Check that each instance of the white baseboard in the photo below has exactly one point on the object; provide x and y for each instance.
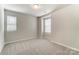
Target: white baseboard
(19, 40)
(2, 46)
(48, 40)
(63, 45)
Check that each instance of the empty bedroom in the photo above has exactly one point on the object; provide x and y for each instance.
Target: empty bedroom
(39, 29)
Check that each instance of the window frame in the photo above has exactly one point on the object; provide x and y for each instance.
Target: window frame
(43, 24)
(11, 24)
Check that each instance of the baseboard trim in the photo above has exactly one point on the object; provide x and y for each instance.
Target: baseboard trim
(19, 40)
(48, 40)
(2, 48)
(63, 45)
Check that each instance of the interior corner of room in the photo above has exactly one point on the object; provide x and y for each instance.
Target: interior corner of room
(56, 23)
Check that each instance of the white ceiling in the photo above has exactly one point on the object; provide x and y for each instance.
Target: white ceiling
(27, 8)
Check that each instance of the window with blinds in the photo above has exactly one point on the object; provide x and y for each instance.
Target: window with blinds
(11, 23)
(47, 25)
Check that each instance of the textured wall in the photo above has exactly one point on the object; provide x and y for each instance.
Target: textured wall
(26, 27)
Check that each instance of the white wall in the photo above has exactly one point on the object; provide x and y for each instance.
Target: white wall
(26, 27)
(65, 25)
(1, 28)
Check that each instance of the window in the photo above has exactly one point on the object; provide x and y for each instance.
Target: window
(11, 23)
(47, 25)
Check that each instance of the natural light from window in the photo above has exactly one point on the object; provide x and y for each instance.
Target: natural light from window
(11, 23)
(46, 25)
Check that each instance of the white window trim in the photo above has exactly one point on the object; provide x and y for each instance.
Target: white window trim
(42, 19)
(44, 24)
(12, 24)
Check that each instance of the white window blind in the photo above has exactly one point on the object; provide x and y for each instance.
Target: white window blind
(48, 25)
(11, 23)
